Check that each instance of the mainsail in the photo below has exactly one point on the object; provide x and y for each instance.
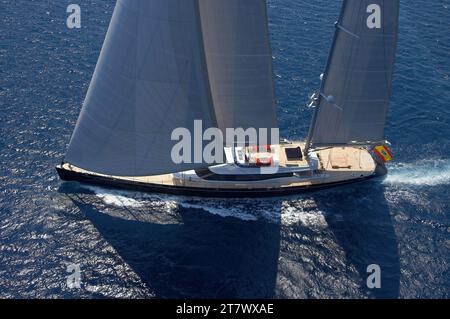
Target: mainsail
(153, 77)
(239, 62)
(354, 98)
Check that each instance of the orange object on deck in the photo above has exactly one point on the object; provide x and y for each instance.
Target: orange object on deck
(264, 160)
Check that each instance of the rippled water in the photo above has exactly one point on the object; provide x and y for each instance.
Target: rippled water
(142, 245)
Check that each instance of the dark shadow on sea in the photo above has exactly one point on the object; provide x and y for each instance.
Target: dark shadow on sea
(206, 256)
(365, 232)
(203, 256)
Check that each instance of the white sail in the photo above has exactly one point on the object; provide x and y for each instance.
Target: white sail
(356, 88)
(150, 79)
(165, 64)
(239, 62)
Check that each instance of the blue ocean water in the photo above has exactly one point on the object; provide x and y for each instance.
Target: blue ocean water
(142, 246)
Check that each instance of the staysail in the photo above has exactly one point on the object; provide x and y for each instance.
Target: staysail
(150, 79)
(354, 98)
(239, 62)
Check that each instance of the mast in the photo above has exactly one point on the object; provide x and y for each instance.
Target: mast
(318, 96)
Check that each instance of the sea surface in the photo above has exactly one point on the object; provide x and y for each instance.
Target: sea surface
(134, 245)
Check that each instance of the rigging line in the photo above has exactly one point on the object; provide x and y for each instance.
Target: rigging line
(339, 26)
(315, 115)
(390, 69)
(296, 120)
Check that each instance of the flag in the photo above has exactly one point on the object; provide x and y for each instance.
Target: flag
(384, 153)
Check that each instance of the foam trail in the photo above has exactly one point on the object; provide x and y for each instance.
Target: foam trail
(280, 211)
(424, 173)
(114, 198)
(166, 203)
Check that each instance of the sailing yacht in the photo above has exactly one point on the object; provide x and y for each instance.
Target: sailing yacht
(167, 64)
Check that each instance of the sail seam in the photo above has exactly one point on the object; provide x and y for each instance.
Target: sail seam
(205, 63)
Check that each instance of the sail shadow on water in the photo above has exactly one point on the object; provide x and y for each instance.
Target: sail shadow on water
(188, 253)
(313, 246)
(365, 233)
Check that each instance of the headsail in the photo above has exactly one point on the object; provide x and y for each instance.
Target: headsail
(150, 79)
(239, 59)
(356, 87)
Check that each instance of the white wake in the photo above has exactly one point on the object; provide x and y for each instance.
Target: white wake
(424, 173)
(278, 210)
